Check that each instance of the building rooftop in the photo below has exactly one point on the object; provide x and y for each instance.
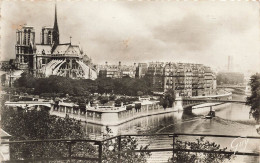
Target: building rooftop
(43, 48)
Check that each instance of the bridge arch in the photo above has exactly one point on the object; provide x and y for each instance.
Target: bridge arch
(28, 104)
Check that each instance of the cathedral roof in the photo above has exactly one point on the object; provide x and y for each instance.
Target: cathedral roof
(61, 49)
(73, 50)
(41, 48)
(67, 50)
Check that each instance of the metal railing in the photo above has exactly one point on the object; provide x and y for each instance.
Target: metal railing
(67, 142)
(99, 144)
(212, 100)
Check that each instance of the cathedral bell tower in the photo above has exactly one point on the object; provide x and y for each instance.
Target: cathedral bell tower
(24, 48)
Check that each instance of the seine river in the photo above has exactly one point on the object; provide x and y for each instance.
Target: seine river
(231, 119)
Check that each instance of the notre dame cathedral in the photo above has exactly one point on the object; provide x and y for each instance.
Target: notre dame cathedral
(50, 57)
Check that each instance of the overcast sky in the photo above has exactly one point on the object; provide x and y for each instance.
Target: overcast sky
(197, 32)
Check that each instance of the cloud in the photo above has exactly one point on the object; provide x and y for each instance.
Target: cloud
(202, 32)
(191, 33)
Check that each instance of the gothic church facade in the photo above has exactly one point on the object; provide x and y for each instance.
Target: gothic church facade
(50, 57)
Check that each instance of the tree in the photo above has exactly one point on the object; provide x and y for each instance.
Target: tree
(118, 102)
(112, 97)
(12, 64)
(170, 96)
(138, 107)
(88, 85)
(254, 99)
(103, 99)
(140, 87)
(37, 125)
(199, 144)
(57, 84)
(131, 87)
(127, 143)
(26, 80)
(82, 87)
(105, 85)
(164, 103)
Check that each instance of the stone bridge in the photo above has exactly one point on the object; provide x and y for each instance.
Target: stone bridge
(212, 101)
(29, 104)
(231, 86)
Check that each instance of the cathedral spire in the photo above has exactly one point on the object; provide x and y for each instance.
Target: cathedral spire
(56, 38)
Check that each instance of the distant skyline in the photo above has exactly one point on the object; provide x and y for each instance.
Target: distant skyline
(133, 32)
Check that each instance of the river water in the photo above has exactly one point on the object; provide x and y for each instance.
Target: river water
(231, 119)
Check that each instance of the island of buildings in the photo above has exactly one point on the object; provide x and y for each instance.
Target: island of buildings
(187, 79)
(50, 57)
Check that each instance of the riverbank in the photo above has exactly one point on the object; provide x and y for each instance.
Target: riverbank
(113, 116)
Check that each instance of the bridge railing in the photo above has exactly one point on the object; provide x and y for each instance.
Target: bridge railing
(212, 100)
(96, 150)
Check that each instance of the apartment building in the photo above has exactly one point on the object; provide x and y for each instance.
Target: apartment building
(187, 79)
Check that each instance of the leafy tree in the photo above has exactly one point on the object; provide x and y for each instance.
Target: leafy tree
(79, 100)
(120, 85)
(127, 143)
(164, 103)
(131, 87)
(112, 97)
(82, 87)
(103, 100)
(37, 125)
(26, 80)
(138, 106)
(170, 96)
(55, 84)
(118, 102)
(105, 85)
(254, 99)
(199, 144)
(168, 99)
(12, 64)
(89, 85)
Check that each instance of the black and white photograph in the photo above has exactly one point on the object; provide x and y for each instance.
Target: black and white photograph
(130, 81)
